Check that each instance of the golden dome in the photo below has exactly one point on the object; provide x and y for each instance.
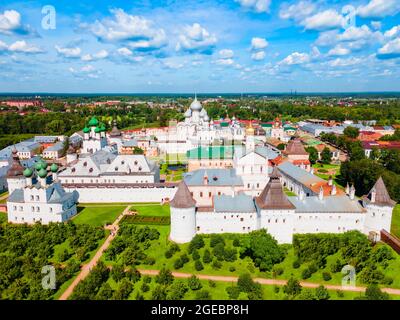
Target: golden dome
(250, 129)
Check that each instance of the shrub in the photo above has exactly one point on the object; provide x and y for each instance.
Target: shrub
(321, 293)
(195, 254)
(184, 258)
(216, 239)
(292, 287)
(219, 251)
(144, 287)
(340, 293)
(230, 255)
(277, 271)
(212, 283)
(146, 279)
(296, 264)
(178, 263)
(194, 283)
(232, 269)
(306, 273)
(216, 264)
(276, 289)
(203, 295)
(326, 276)
(233, 292)
(207, 256)
(236, 242)
(198, 265)
(164, 277)
(196, 243)
(149, 261)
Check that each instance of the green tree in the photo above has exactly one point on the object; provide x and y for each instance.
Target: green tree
(177, 291)
(207, 256)
(164, 277)
(194, 283)
(313, 154)
(321, 293)
(326, 156)
(351, 132)
(373, 292)
(292, 287)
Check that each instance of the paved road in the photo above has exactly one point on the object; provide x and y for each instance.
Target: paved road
(276, 282)
(87, 267)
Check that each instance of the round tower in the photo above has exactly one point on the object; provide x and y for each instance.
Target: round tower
(15, 174)
(183, 215)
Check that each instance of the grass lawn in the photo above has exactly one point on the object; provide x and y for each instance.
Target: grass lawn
(142, 125)
(395, 229)
(289, 193)
(152, 209)
(97, 216)
(326, 166)
(3, 217)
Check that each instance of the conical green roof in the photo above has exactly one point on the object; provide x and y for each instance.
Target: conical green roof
(102, 128)
(86, 130)
(42, 173)
(97, 130)
(28, 173)
(93, 122)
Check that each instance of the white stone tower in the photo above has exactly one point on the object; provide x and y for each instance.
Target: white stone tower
(183, 215)
(379, 207)
(15, 174)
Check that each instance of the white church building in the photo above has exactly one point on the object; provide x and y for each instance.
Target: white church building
(37, 196)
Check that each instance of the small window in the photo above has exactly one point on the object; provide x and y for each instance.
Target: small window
(91, 170)
(85, 164)
(116, 168)
(241, 219)
(37, 198)
(201, 194)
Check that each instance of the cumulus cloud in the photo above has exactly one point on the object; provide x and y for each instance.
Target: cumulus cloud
(136, 32)
(325, 20)
(102, 54)
(69, 52)
(379, 9)
(20, 46)
(390, 50)
(258, 43)
(256, 5)
(225, 62)
(225, 53)
(257, 56)
(296, 58)
(339, 50)
(340, 62)
(353, 38)
(297, 11)
(87, 71)
(195, 38)
(11, 23)
(124, 52)
(392, 33)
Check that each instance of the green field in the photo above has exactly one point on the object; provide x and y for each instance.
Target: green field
(395, 229)
(151, 209)
(97, 216)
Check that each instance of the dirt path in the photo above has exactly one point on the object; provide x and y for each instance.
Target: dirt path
(276, 282)
(87, 267)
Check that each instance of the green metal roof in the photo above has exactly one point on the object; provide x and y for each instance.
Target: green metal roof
(224, 124)
(212, 152)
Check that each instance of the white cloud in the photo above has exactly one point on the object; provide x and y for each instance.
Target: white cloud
(394, 32)
(295, 58)
(377, 25)
(225, 62)
(339, 50)
(102, 54)
(86, 71)
(379, 9)
(137, 32)
(258, 43)
(124, 52)
(298, 11)
(390, 50)
(225, 53)
(260, 55)
(10, 23)
(87, 68)
(170, 64)
(195, 38)
(22, 46)
(340, 62)
(256, 5)
(69, 52)
(325, 20)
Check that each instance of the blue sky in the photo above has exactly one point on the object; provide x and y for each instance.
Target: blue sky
(200, 46)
